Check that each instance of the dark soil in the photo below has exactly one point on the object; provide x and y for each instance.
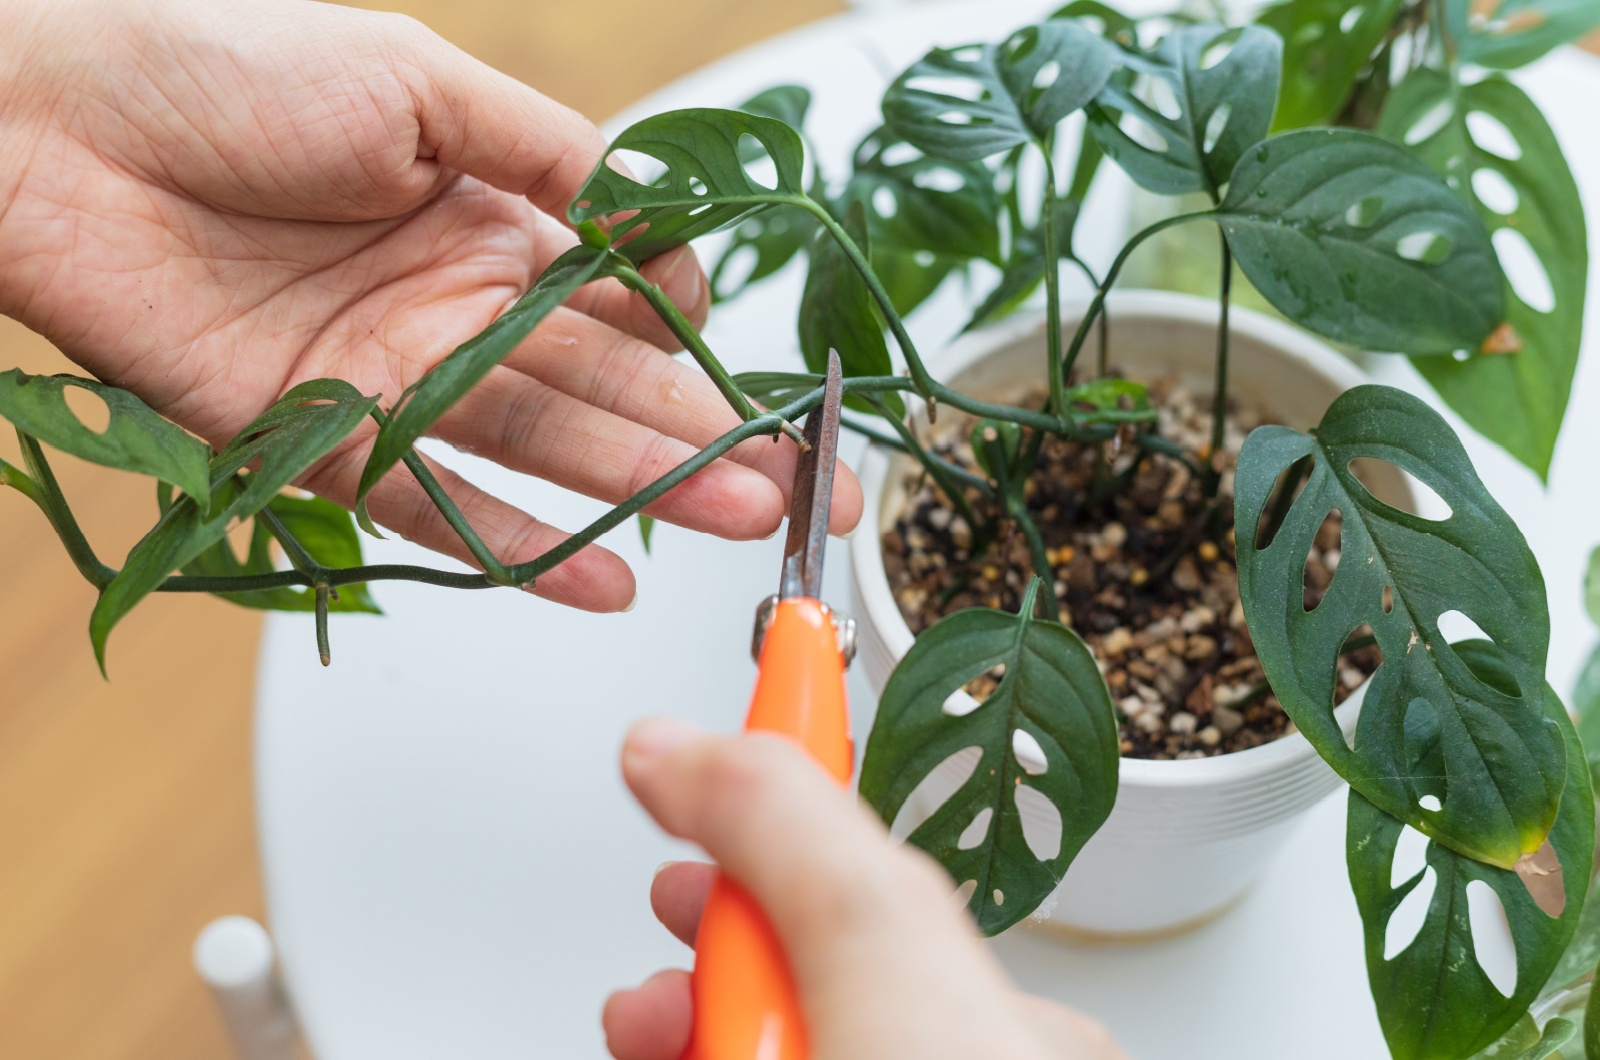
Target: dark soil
(1145, 575)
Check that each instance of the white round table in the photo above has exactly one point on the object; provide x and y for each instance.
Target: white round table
(453, 866)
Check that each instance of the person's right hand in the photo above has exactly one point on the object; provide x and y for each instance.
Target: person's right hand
(885, 962)
(208, 201)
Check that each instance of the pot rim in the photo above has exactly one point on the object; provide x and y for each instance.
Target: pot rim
(866, 555)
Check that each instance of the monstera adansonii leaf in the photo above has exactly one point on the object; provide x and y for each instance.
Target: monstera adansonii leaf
(136, 438)
(1398, 573)
(1326, 45)
(720, 166)
(1506, 34)
(965, 104)
(1047, 736)
(1194, 106)
(1498, 153)
(1434, 1000)
(299, 429)
(1350, 236)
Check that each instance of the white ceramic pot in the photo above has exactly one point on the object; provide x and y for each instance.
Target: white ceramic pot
(1187, 838)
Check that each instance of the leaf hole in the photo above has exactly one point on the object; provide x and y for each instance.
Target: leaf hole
(900, 153)
(697, 186)
(999, 896)
(967, 53)
(1322, 559)
(1157, 92)
(1215, 126)
(1490, 133)
(972, 835)
(1405, 923)
(950, 87)
(90, 408)
(1428, 248)
(1541, 873)
(1431, 121)
(638, 166)
(1387, 483)
(698, 210)
(1491, 939)
(1431, 803)
(1388, 600)
(1142, 133)
(757, 162)
(1364, 214)
(1047, 75)
(1292, 479)
(1455, 625)
(1420, 740)
(884, 202)
(1216, 53)
(1030, 756)
(1495, 191)
(939, 178)
(1348, 20)
(956, 117)
(1410, 856)
(935, 789)
(734, 270)
(1041, 822)
(1021, 44)
(1529, 280)
(963, 894)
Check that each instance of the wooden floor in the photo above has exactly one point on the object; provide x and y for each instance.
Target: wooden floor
(125, 811)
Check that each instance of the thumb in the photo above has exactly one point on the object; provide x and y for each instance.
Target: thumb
(476, 120)
(821, 866)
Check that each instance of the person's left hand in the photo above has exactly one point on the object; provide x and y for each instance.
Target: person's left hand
(208, 202)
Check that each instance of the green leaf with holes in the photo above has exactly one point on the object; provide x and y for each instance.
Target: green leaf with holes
(1516, 397)
(136, 437)
(1501, 753)
(785, 103)
(1350, 236)
(965, 104)
(1506, 34)
(768, 241)
(917, 203)
(776, 389)
(1326, 45)
(1434, 1000)
(1112, 24)
(430, 397)
(714, 177)
(282, 443)
(1215, 108)
(838, 312)
(1053, 692)
(322, 528)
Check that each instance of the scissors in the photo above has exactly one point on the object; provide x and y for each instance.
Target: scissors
(745, 1007)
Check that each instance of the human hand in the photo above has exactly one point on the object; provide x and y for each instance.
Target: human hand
(208, 203)
(883, 960)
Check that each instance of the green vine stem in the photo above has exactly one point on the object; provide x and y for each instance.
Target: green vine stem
(686, 333)
(324, 649)
(1097, 304)
(497, 572)
(1052, 288)
(46, 493)
(1219, 401)
(936, 469)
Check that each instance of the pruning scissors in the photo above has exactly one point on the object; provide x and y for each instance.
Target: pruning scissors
(745, 1006)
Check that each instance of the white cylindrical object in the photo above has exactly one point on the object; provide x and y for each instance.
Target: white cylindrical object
(1186, 838)
(235, 956)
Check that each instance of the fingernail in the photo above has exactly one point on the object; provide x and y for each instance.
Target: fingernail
(631, 603)
(663, 867)
(655, 738)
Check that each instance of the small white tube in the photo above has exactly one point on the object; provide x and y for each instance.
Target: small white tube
(235, 956)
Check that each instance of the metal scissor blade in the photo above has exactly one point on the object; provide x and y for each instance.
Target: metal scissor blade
(813, 491)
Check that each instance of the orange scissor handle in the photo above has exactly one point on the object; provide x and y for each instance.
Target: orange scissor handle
(745, 1007)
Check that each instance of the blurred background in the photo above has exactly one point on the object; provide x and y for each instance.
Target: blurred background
(125, 808)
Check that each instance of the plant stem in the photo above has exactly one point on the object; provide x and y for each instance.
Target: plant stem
(1052, 288)
(324, 649)
(1041, 562)
(1098, 303)
(46, 493)
(497, 572)
(1103, 354)
(1219, 402)
(284, 579)
(673, 318)
(930, 389)
(299, 558)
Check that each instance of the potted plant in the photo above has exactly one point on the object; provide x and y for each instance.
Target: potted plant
(1345, 232)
